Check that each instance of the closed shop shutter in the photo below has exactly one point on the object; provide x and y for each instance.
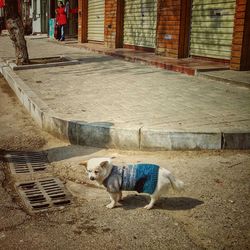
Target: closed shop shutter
(96, 20)
(212, 28)
(140, 22)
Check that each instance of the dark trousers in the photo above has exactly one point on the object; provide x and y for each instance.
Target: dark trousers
(58, 32)
(63, 27)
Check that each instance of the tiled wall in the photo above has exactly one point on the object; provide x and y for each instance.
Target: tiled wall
(110, 23)
(168, 27)
(82, 20)
(240, 37)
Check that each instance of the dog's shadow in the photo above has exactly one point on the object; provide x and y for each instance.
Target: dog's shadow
(170, 203)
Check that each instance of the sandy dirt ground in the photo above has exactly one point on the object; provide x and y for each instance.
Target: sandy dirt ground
(212, 213)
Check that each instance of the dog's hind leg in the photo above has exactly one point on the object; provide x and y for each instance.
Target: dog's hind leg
(154, 198)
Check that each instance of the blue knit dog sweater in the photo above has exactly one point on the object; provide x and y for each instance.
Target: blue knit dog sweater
(139, 177)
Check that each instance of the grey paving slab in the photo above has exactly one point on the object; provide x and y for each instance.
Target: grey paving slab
(230, 76)
(131, 105)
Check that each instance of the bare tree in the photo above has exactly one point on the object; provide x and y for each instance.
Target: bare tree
(15, 27)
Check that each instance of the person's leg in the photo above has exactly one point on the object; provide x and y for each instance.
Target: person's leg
(1, 24)
(58, 32)
(62, 33)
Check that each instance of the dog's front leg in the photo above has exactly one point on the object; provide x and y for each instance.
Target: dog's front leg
(113, 197)
(120, 196)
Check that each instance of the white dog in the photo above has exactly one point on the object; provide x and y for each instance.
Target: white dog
(141, 177)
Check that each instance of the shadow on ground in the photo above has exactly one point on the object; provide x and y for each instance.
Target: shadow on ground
(171, 203)
(67, 152)
(54, 154)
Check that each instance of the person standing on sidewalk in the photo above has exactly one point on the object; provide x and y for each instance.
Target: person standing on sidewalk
(61, 19)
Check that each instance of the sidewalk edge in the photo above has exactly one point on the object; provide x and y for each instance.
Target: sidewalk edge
(109, 136)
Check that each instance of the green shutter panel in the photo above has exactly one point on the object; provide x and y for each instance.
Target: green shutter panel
(212, 28)
(96, 20)
(140, 18)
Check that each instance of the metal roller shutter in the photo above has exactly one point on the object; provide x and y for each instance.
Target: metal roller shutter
(212, 28)
(96, 20)
(140, 18)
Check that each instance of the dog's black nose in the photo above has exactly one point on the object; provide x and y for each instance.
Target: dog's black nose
(92, 178)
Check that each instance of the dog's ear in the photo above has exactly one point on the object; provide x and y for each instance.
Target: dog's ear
(83, 163)
(103, 164)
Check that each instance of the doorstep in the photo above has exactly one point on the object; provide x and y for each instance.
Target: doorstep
(189, 66)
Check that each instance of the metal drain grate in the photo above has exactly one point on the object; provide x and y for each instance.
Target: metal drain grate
(27, 162)
(43, 194)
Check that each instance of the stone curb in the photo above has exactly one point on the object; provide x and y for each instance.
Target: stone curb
(68, 61)
(108, 136)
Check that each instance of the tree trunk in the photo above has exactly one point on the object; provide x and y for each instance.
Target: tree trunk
(15, 27)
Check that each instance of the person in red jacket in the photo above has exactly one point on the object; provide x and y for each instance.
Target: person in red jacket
(61, 19)
(2, 4)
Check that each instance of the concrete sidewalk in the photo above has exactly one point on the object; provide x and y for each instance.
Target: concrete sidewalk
(107, 102)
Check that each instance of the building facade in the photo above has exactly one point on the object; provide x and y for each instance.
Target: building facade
(209, 29)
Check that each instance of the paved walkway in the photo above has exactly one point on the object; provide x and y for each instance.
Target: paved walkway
(104, 101)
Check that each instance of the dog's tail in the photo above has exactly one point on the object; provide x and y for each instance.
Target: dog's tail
(177, 184)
